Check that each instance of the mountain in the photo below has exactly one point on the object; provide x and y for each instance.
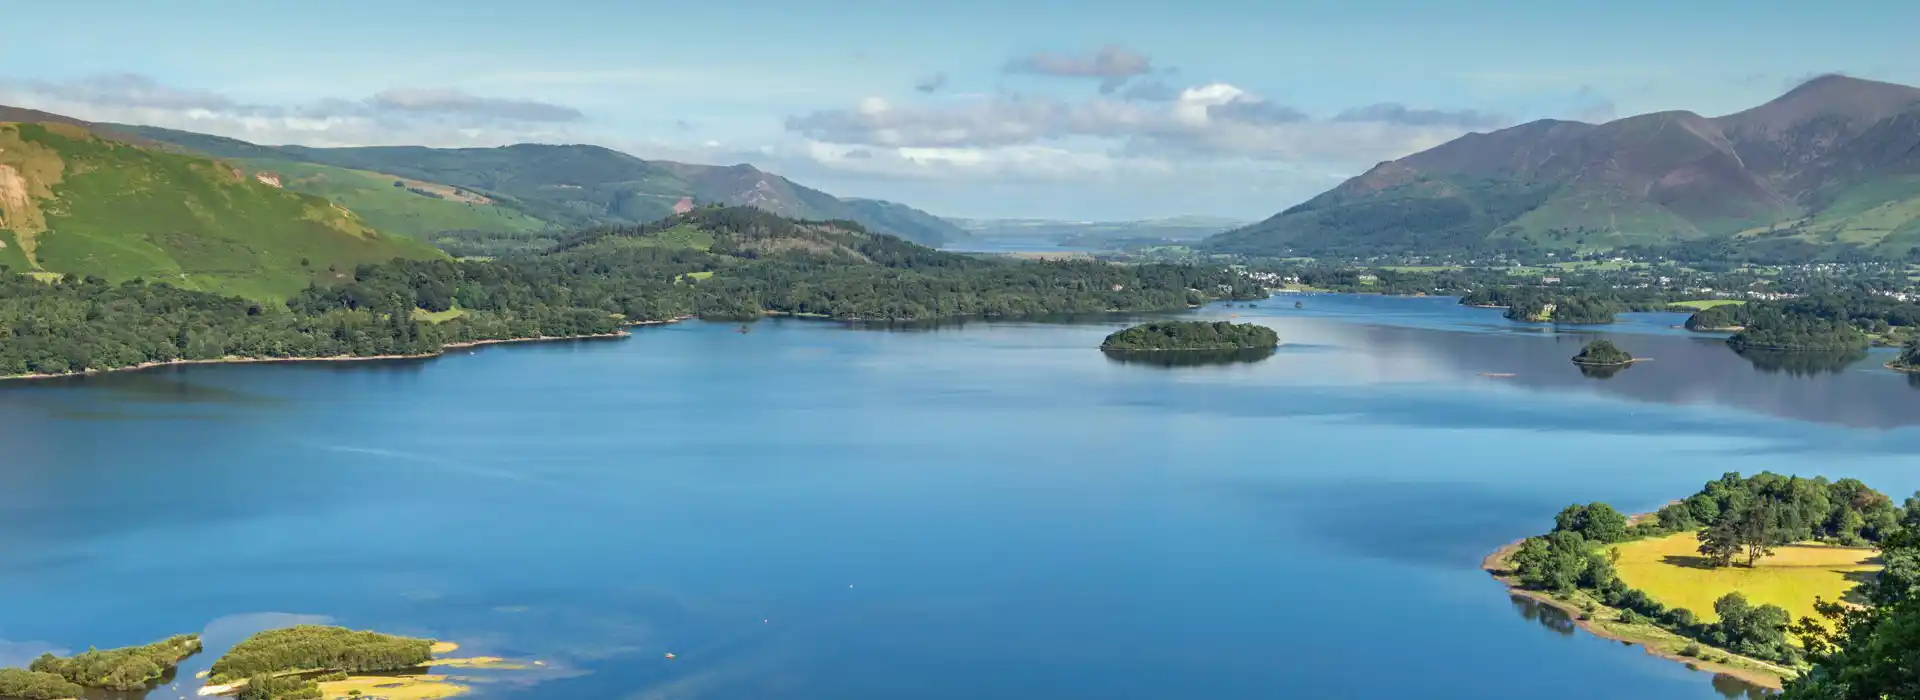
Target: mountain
(1091, 234)
(79, 201)
(570, 186)
(1832, 166)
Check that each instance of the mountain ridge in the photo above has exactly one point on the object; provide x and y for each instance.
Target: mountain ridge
(574, 185)
(1828, 166)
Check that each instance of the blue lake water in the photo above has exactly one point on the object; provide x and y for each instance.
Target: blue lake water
(990, 509)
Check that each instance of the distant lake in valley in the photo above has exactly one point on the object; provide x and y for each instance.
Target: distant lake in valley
(989, 509)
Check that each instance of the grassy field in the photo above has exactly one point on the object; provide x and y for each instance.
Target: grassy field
(1671, 570)
(395, 687)
(394, 210)
(1707, 303)
(425, 316)
(98, 207)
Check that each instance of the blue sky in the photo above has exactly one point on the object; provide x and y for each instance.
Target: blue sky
(1037, 108)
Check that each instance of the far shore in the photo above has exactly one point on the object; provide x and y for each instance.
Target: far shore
(444, 349)
(1496, 564)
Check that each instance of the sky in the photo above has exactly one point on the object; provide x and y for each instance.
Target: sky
(984, 108)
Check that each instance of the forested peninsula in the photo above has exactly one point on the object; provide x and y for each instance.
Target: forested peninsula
(733, 263)
(1776, 538)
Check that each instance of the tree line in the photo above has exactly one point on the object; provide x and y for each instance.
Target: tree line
(320, 648)
(589, 284)
(1191, 335)
(1831, 321)
(126, 668)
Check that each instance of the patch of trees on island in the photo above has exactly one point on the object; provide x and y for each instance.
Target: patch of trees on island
(1822, 322)
(264, 660)
(1168, 336)
(1738, 521)
(124, 669)
(1602, 353)
(590, 284)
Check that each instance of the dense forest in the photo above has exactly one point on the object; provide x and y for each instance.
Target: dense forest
(1824, 322)
(318, 647)
(22, 684)
(1602, 352)
(1570, 310)
(128, 668)
(729, 263)
(1166, 336)
(1738, 520)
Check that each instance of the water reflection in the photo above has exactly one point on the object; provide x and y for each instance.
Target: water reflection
(1836, 388)
(1802, 364)
(1548, 616)
(1735, 689)
(1188, 358)
(1600, 371)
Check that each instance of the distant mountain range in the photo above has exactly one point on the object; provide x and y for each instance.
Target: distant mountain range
(75, 202)
(561, 186)
(1831, 167)
(1088, 234)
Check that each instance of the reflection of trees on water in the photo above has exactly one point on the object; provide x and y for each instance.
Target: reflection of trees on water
(1680, 369)
(1188, 358)
(1802, 363)
(1600, 371)
(1734, 689)
(1548, 616)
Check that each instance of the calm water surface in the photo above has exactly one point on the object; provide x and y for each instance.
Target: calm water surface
(983, 510)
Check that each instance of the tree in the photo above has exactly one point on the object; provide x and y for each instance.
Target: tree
(1757, 531)
(1597, 522)
(1866, 653)
(1720, 541)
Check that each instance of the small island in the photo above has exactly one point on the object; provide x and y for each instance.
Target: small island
(1723, 580)
(1184, 336)
(1602, 353)
(303, 662)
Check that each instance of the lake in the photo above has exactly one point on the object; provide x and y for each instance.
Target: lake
(988, 509)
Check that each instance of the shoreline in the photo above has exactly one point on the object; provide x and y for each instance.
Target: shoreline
(1495, 564)
(1897, 367)
(444, 349)
(1611, 364)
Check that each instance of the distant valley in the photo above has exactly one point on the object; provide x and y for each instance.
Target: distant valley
(1829, 170)
(1097, 234)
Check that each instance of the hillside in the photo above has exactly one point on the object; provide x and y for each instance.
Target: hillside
(75, 203)
(1830, 168)
(579, 185)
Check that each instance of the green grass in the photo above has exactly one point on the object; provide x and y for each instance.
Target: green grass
(1671, 570)
(390, 209)
(701, 275)
(1707, 303)
(122, 212)
(425, 316)
(12, 256)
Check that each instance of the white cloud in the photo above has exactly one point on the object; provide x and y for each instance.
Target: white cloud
(1210, 121)
(399, 116)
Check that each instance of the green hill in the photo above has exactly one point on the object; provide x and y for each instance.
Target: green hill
(74, 203)
(1832, 168)
(575, 186)
(393, 204)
